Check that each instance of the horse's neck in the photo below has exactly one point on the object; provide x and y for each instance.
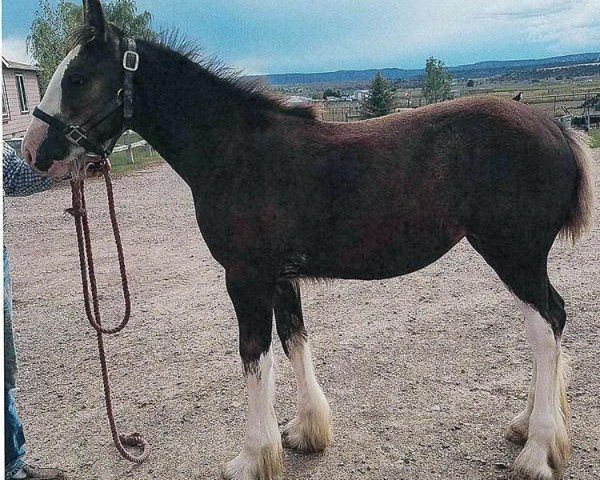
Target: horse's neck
(184, 114)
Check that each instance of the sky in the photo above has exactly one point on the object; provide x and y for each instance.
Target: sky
(284, 36)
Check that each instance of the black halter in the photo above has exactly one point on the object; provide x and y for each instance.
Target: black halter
(78, 134)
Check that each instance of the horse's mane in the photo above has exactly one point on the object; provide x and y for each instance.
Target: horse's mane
(174, 42)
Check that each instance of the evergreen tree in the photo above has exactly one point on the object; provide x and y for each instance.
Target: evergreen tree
(437, 80)
(381, 99)
(53, 27)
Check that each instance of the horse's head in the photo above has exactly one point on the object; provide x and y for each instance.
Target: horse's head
(88, 79)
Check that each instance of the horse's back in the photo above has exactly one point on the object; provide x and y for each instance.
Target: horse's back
(468, 157)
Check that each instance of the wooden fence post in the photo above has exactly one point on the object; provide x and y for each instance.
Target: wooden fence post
(130, 158)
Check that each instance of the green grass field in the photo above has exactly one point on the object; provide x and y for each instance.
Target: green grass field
(594, 137)
(120, 163)
(134, 138)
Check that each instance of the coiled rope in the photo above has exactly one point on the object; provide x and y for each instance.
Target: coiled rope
(90, 292)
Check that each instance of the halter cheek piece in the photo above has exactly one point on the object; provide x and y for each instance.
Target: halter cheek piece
(78, 134)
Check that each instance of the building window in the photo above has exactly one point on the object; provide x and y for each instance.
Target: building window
(22, 94)
(5, 109)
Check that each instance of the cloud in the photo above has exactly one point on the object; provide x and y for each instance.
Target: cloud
(274, 36)
(559, 25)
(526, 8)
(13, 48)
(267, 36)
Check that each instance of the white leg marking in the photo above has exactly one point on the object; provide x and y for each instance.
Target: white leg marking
(260, 457)
(547, 449)
(310, 430)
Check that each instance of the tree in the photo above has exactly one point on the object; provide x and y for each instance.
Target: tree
(48, 42)
(330, 92)
(123, 13)
(470, 83)
(437, 80)
(53, 27)
(381, 99)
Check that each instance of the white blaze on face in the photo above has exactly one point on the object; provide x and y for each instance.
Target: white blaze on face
(53, 96)
(51, 104)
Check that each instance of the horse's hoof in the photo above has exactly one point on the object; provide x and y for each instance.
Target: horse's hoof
(542, 462)
(310, 432)
(527, 468)
(266, 465)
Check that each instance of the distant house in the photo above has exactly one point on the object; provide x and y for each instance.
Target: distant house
(20, 95)
(362, 95)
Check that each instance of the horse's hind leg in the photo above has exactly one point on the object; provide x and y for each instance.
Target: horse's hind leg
(310, 430)
(547, 448)
(518, 428)
(522, 267)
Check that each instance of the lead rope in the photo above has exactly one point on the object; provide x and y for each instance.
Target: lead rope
(85, 256)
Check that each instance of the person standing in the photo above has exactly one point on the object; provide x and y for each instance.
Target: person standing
(19, 179)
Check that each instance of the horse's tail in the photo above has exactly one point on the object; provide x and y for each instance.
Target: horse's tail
(579, 217)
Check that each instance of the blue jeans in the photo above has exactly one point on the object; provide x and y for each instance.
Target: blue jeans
(14, 439)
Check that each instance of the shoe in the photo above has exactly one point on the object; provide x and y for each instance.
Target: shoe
(29, 472)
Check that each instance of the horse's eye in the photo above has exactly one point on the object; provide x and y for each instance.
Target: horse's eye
(76, 79)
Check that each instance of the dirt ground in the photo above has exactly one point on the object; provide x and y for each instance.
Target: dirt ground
(422, 372)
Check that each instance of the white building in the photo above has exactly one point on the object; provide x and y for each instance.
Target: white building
(361, 95)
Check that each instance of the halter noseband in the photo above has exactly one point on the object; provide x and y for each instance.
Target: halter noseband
(77, 134)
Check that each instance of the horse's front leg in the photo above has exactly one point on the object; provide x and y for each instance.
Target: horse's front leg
(260, 458)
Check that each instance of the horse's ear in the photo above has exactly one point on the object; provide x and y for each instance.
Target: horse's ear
(94, 17)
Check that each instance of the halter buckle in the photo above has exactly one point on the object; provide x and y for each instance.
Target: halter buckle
(131, 57)
(75, 134)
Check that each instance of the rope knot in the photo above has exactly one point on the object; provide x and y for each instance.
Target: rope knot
(75, 212)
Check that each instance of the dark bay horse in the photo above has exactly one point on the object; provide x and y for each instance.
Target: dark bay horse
(282, 196)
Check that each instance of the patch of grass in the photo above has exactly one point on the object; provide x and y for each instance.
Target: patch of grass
(594, 134)
(120, 162)
(134, 138)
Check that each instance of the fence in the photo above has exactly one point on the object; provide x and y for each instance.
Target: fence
(339, 111)
(555, 103)
(120, 148)
(551, 103)
(126, 144)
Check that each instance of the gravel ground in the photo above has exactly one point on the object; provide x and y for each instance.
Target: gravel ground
(422, 372)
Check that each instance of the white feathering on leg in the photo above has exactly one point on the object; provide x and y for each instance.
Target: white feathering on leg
(260, 458)
(310, 430)
(548, 448)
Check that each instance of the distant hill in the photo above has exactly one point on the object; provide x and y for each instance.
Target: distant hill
(479, 69)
